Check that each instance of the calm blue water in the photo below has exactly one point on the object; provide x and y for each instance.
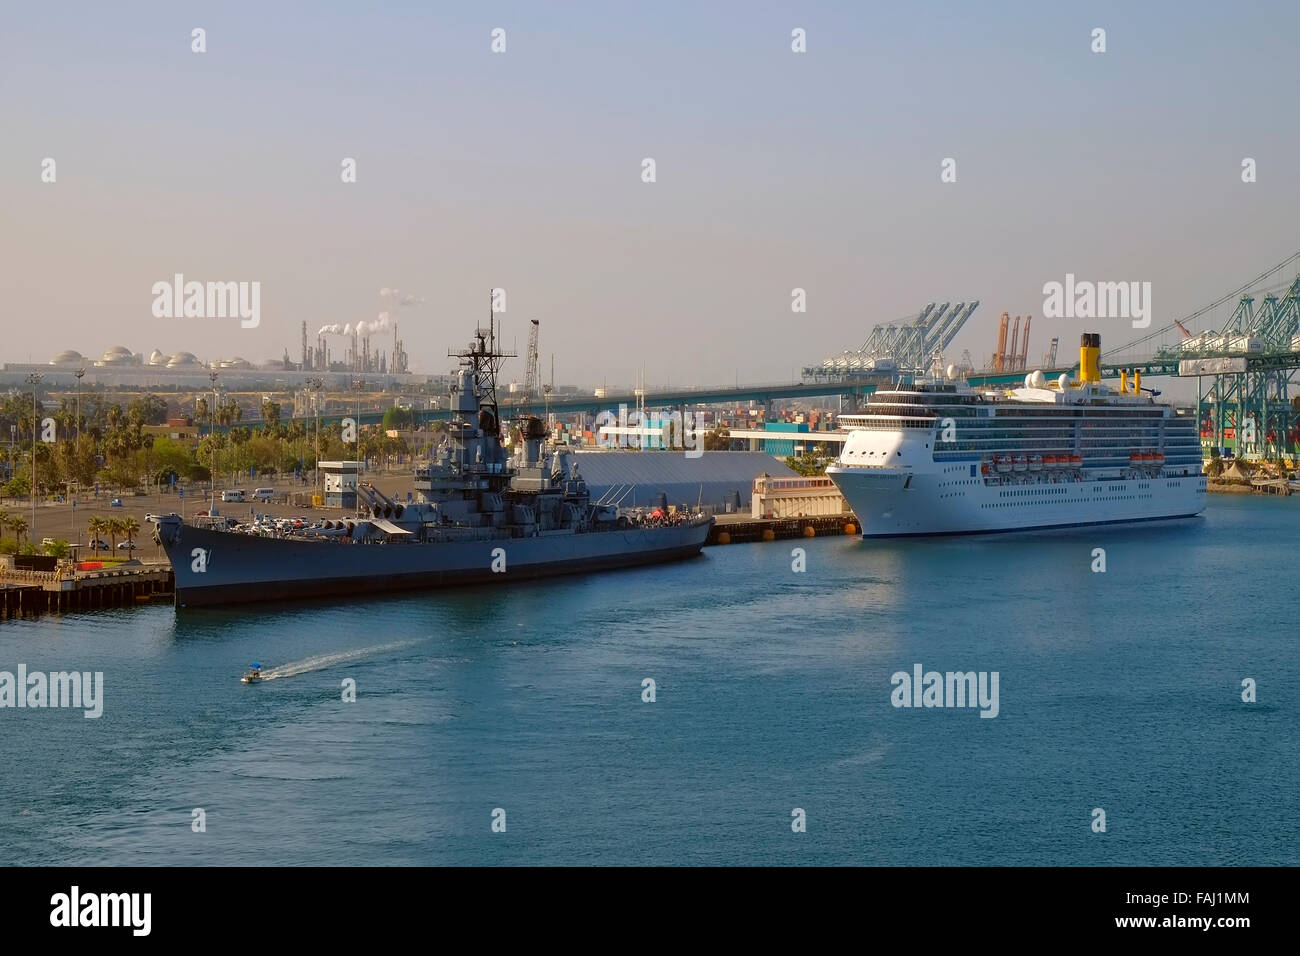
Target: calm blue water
(1118, 690)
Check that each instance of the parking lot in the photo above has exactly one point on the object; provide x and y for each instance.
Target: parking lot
(63, 521)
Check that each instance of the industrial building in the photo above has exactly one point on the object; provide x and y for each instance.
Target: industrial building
(719, 481)
(119, 367)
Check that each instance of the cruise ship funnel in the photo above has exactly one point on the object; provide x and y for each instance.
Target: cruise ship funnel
(1090, 357)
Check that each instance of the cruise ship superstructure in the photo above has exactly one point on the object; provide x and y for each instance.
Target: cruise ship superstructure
(940, 457)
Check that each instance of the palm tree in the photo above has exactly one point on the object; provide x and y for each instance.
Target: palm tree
(270, 414)
(4, 521)
(114, 528)
(19, 525)
(96, 527)
(130, 527)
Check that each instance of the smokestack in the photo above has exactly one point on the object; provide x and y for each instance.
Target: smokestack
(1089, 357)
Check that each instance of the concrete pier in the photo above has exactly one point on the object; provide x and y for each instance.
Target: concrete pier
(742, 529)
(27, 593)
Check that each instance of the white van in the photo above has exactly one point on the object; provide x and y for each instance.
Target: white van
(263, 494)
(235, 495)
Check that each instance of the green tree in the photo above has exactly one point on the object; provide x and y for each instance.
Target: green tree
(18, 524)
(147, 410)
(121, 474)
(17, 487)
(264, 453)
(114, 527)
(270, 413)
(229, 413)
(172, 456)
(76, 460)
(397, 418)
(806, 465)
(717, 440)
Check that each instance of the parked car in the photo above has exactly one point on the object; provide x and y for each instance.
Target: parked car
(115, 503)
(99, 545)
(46, 542)
(234, 494)
(126, 546)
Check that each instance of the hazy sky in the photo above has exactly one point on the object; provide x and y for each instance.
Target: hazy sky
(522, 170)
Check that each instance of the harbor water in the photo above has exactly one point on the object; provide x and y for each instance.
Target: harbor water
(1119, 691)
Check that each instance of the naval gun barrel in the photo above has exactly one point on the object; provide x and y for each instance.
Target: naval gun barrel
(380, 505)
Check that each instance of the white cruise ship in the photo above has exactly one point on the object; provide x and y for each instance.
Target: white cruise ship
(943, 458)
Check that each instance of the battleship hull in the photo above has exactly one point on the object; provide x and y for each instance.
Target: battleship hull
(219, 567)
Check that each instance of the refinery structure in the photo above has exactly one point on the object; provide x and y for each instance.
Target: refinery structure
(120, 367)
(362, 353)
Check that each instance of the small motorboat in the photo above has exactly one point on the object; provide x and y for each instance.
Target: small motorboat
(254, 674)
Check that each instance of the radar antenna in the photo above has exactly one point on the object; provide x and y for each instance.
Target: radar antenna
(484, 359)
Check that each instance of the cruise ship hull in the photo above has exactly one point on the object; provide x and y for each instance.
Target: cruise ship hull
(901, 503)
(218, 567)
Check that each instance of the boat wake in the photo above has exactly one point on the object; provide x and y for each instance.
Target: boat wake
(322, 661)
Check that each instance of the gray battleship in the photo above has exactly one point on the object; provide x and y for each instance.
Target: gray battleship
(480, 515)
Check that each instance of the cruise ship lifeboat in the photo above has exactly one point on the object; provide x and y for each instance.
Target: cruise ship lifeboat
(1049, 462)
(1035, 462)
(1002, 463)
(1020, 463)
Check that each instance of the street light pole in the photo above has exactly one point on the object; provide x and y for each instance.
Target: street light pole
(212, 440)
(34, 379)
(315, 385)
(80, 372)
